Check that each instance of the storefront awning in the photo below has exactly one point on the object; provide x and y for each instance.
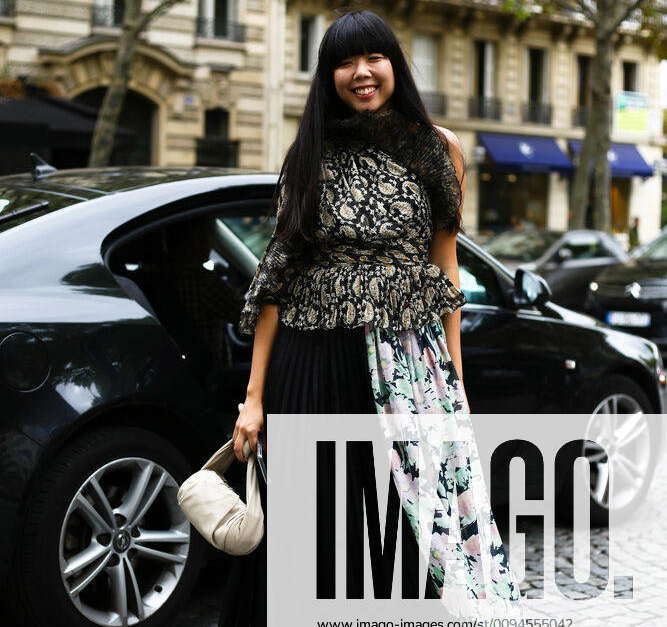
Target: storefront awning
(624, 159)
(525, 153)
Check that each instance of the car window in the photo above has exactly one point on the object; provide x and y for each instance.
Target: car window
(254, 231)
(19, 205)
(521, 245)
(586, 246)
(189, 275)
(656, 250)
(479, 281)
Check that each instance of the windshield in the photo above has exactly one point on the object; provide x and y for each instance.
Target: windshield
(15, 201)
(655, 251)
(521, 245)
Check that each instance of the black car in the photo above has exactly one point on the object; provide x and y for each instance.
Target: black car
(121, 367)
(568, 261)
(633, 296)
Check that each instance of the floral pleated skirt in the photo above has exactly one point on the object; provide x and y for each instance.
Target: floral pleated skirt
(409, 373)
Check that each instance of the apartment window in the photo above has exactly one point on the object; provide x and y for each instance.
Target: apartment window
(310, 34)
(215, 148)
(483, 102)
(7, 8)
(580, 111)
(485, 61)
(425, 58)
(218, 20)
(536, 75)
(583, 80)
(629, 76)
(537, 110)
(108, 13)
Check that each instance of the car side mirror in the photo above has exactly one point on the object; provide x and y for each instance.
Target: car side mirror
(529, 288)
(564, 254)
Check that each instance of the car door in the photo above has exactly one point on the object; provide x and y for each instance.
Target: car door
(512, 358)
(569, 276)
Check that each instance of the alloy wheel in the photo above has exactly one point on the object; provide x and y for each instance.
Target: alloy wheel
(124, 542)
(618, 430)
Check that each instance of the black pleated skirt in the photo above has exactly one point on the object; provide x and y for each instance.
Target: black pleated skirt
(310, 372)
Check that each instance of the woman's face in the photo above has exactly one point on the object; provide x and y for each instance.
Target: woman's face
(365, 71)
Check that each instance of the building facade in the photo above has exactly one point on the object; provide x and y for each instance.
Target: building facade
(225, 81)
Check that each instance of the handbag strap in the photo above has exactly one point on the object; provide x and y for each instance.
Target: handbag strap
(222, 459)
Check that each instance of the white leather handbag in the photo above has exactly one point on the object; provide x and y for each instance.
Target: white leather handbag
(216, 511)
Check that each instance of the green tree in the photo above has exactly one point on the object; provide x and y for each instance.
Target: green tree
(605, 18)
(135, 22)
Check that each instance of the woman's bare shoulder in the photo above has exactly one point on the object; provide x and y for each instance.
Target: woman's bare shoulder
(451, 136)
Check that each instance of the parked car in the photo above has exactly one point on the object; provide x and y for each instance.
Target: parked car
(568, 261)
(121, 367)
(633, 296)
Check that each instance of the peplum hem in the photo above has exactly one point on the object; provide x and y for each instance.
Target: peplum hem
(397, 296)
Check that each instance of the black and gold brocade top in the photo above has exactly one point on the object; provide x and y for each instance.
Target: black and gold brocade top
(370, 263)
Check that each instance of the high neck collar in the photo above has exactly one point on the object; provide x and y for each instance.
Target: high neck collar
(366, 125)
(415, 146)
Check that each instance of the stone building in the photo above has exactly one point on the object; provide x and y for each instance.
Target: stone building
(225, 81)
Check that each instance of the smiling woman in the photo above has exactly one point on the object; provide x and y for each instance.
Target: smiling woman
(361, 277)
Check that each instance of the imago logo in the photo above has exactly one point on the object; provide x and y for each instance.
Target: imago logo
(373, 517)
(461, 508)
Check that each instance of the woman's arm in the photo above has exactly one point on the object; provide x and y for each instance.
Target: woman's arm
(443, 254)
(251, 416)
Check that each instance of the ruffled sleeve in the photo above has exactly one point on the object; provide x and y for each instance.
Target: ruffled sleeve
(277, 269)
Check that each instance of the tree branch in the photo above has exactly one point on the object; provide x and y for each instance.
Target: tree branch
(624, 12)
(158, 10)
(586, 10)
(575, 5)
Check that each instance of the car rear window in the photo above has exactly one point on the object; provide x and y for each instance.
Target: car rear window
(19, 205)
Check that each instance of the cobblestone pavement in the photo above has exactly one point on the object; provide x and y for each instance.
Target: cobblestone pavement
(627, 583)
(636, 550)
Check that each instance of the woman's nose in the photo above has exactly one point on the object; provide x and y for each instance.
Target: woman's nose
(361, 69)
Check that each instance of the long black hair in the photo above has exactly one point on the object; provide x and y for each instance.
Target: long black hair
(353, 32)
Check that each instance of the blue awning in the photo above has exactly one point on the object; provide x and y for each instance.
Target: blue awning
(624, 159)
(525, 153)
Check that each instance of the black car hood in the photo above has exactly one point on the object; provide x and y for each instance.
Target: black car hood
(634, 270)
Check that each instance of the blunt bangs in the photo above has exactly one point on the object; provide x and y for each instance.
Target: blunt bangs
(356, 33)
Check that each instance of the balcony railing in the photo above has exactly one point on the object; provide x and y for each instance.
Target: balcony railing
(486, 108)
(536, 112)
(217, 28)
(109, 14)
(435, 102)
(579, 116)
(217, 151)
(7, 8)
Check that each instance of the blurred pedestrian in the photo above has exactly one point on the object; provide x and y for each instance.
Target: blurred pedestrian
(633, 233)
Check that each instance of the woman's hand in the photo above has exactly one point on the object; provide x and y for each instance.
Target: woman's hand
(248, 426)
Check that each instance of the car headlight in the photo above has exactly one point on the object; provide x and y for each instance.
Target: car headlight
(593, 286)
(662, 377)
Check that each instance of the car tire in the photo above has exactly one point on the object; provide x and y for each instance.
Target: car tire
(45, 553)
(615, 391)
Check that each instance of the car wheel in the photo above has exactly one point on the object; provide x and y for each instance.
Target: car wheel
(105, 542)
(617, 428)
